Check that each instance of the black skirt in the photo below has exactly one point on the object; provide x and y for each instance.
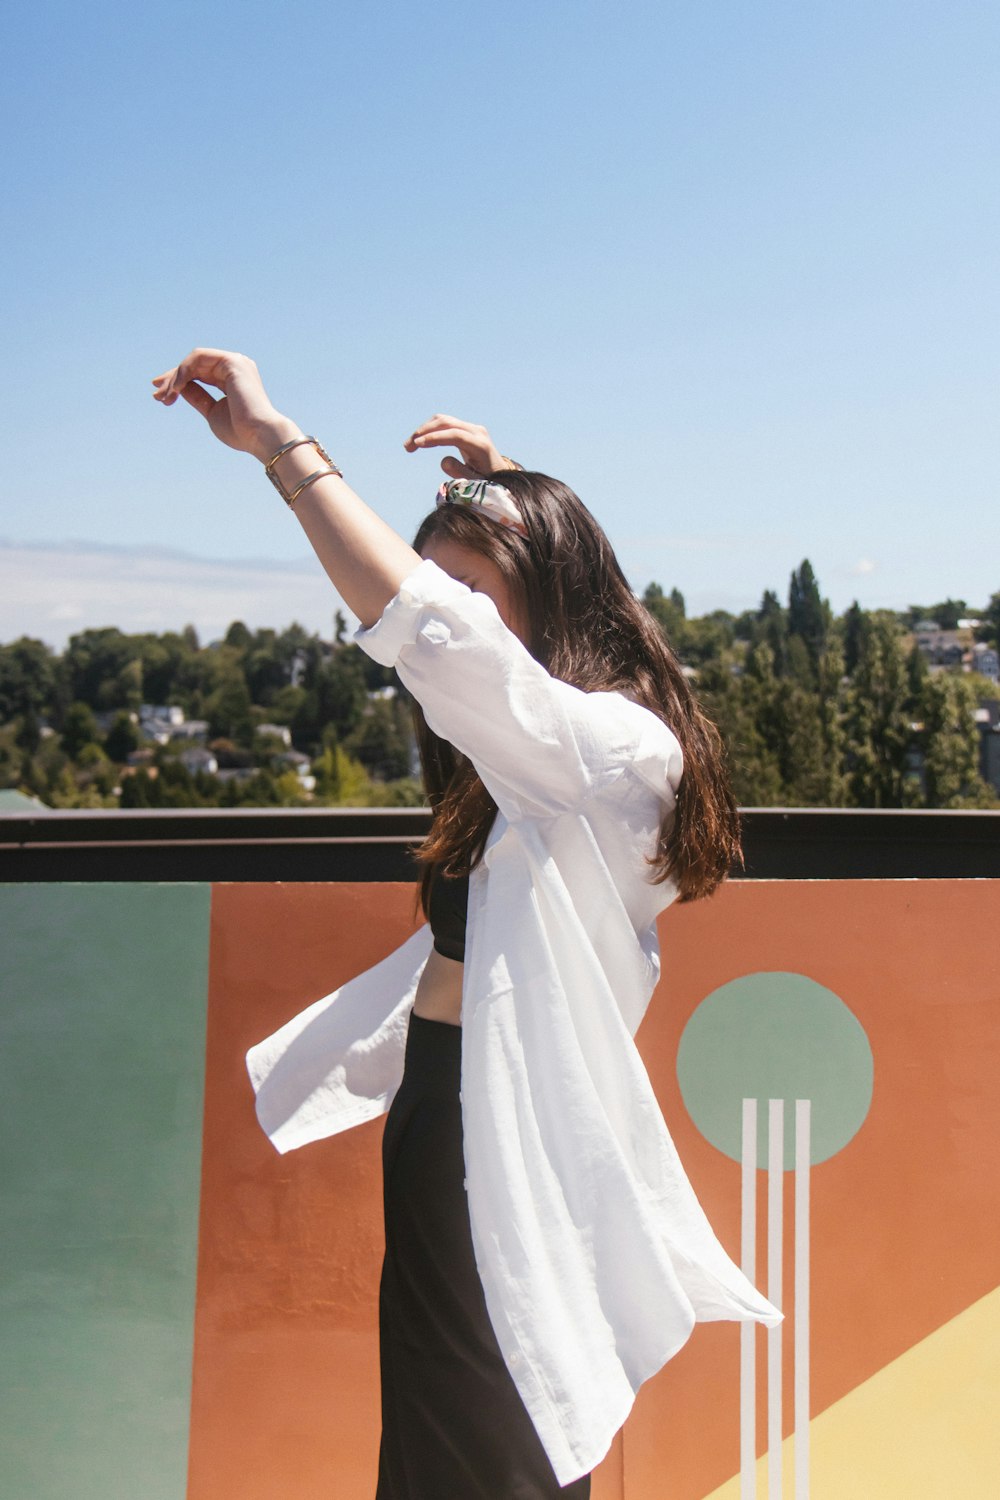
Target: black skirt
(453, 1424)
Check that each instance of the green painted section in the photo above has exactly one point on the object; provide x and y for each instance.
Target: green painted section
(776, 1036)
(103, 992)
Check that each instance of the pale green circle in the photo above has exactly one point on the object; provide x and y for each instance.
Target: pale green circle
(775, 1036)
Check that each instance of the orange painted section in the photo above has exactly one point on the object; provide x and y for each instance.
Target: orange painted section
(285, 1394)
(285, 1391)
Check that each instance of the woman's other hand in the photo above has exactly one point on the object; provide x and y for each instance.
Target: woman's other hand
(479, 453)
(243, 417)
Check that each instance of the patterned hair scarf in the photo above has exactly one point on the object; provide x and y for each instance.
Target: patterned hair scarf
(497, 502)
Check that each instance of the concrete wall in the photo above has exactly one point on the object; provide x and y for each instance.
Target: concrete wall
(187, 1314)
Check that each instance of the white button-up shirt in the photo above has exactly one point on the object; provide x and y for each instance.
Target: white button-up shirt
(595, 1256)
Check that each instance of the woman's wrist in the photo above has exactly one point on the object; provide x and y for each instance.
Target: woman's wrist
(272, 435)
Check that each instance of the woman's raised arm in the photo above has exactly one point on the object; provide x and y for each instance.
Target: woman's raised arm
(365, 560)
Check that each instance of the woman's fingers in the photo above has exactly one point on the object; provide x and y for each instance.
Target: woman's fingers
(453, 437)
(200, 398)
(456, 470)
(441, 423)
(210, 366)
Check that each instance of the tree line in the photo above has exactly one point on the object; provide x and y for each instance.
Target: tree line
(814, 709)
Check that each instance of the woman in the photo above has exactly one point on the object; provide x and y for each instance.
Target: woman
(545, 1251)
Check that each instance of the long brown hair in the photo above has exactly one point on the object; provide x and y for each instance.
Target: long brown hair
(585, 626)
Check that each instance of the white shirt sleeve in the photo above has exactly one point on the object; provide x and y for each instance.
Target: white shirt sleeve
(540, 745)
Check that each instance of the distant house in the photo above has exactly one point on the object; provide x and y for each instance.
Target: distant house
(191, 729)
(988, 720)
(947, 650)
(196, 758)
(986, 661)
(294, 760)
(170, 713)
(276, 731)
(165, 722)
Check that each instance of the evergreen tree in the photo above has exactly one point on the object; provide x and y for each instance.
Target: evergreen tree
(771, 630)
(853, 631)
(808, 614)
(228, 710)
(381, 742)
(878, 717)
(950, 741)
(122, 738)
(667, 612)
(79, 729)
(237, 635)
(917, 673)
(948, 613)
(992, 616)
(831, 684)
(752, 728)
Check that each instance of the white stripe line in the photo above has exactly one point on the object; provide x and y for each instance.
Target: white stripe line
(800, 1330)
(775, 1189)
(748, 1330)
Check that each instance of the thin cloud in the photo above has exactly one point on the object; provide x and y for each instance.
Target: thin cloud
(53, 590)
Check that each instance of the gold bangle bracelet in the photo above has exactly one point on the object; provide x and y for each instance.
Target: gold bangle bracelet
(319, 474)
(290, 498)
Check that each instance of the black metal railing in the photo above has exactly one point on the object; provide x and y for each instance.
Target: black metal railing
(312, 844)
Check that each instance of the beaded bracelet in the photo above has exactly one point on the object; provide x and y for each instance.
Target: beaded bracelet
(290, 499)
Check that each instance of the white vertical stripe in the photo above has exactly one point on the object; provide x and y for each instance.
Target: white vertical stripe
(803, 1153)
(775, 1187)
(748, 1330)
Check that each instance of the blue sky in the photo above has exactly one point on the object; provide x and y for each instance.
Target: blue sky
(730, 270)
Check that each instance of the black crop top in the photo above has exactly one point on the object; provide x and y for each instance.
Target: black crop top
(447, 905)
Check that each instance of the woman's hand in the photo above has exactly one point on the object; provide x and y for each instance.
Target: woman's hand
(479, 454)
(243, 417)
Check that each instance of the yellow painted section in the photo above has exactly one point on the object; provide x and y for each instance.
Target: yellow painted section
(927, 1427)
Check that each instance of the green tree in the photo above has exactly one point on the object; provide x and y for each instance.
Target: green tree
(879, 717)
(668, 612)
(831, 684)
(340, 780)
(79, 729)
(238, 635)
(707, 638)
(992, 620)
(380, 741)
(740, 703)
(95, 666)
(950, 741)
(27, 679)
(948, 613)
(771, 630)
(337, 699)
(29, 732)
(853, 630)
(122, 737)
(228, 710)
(917, 671)
(808, 612)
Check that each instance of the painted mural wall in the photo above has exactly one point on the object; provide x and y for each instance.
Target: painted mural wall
(187, 1315)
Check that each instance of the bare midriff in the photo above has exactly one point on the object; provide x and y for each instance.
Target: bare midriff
(439, 993)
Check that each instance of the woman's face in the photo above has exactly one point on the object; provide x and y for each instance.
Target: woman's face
(481, 575)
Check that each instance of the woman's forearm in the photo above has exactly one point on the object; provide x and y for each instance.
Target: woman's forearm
(365, 560)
